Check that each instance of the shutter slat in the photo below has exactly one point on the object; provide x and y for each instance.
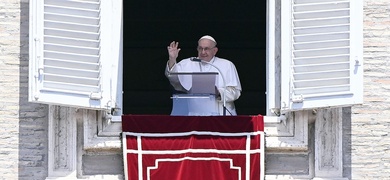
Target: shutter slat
(72, 26)
(320, 6)
(71, 49)
(322, 37)
(71, 34)
(322, 29)
(321, 82)
(340, 58)
(71, 41)
(322, 44)
(318, 1)
(321, 52)
(326, 14)
(321, 22)
(72, 57)
(69, 88)
(321, 75)
(75, 4)
(72, 11)
(82, 73)
(321, 68)
(70, 18)
(71, 64)
(323, 91)
(71, 79)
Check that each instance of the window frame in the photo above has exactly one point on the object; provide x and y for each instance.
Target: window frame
(278, 125)
(278, 61)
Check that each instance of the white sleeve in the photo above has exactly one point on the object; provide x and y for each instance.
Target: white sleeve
(174, 79)
(230, 93)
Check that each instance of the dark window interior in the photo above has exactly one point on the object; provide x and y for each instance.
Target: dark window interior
(150, 25)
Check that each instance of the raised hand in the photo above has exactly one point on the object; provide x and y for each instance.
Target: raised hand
(173, 52)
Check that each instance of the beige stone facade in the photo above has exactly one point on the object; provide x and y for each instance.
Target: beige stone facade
(370, 131)
(24, 144)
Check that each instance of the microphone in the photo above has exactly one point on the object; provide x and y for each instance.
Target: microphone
(223, 80)
(197, 60)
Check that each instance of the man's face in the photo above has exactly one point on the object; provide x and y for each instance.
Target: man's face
(206, 49)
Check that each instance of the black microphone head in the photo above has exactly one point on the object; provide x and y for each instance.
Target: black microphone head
(195, 59)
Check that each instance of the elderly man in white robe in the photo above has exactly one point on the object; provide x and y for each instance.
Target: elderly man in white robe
(228, 86)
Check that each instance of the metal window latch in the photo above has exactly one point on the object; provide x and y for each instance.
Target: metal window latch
(357, 62)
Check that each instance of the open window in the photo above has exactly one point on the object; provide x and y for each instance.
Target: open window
(316, 61)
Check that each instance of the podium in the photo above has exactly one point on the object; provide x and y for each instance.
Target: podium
(200, 98)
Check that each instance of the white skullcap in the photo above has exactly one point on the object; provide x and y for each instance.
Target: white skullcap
(209, 38)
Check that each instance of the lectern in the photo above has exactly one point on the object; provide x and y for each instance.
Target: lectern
(200, 98)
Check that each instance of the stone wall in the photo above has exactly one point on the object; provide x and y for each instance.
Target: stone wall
(24, 125)
(370, 124)
(23, 129)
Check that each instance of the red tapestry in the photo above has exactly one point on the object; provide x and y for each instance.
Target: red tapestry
(193, 147)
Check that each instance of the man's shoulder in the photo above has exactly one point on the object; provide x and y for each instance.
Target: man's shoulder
(223, 60)
(186, 60)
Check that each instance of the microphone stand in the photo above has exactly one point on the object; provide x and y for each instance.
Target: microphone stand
(223, 80)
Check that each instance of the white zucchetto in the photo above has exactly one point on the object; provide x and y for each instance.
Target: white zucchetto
(209, 38)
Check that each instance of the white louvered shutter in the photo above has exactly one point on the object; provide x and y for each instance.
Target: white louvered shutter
(75, 52)
(322, 62)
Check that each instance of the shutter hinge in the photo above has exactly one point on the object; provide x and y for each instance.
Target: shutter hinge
(95, 96)
(297, 99)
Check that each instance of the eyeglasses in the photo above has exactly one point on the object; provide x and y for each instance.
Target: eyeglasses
(207, 49)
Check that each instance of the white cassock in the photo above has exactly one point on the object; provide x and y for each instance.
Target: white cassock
(228, 71)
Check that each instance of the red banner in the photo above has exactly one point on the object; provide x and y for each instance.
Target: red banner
(193, 147)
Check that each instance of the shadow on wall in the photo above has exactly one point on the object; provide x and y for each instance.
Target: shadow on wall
(33, 118)
(347, 143)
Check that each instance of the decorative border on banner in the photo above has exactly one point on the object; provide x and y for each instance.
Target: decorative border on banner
(247, 152)
(194, 159)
